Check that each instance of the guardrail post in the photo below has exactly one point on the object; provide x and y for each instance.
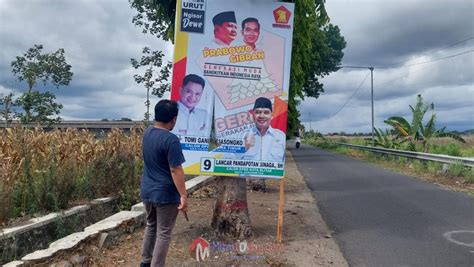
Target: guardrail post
(424, 163)
(445, 167)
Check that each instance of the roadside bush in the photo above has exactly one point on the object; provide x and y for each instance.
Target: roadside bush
(448, 149)
(456, 169)
(468, 152)
(470, 176)
(434, 166)
(326, 144)
(419, 166)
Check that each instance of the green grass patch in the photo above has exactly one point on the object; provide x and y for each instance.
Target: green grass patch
(448, 149)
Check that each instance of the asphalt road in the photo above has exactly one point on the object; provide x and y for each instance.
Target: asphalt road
(381, 218)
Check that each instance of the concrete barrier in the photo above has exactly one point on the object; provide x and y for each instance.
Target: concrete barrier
(16, 242)
(107, 231)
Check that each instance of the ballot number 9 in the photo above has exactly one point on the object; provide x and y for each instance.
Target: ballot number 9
(207, 164)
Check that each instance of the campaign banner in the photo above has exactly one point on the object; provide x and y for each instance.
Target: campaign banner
(231, 72)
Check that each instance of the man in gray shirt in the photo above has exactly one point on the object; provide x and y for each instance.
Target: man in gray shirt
(163, 190)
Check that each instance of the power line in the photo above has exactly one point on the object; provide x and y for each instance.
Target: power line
(413, 64)
(430, 53)
(353, 93)
(451, 45)
(439, 59)
(434, 63)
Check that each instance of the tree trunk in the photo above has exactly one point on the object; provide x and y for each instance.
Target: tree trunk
(257, 184)
(231, 216)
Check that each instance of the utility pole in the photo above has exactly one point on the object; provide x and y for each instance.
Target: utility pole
(372, 100)
(371, 68)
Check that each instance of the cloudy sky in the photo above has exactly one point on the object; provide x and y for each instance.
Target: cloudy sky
(396, 37)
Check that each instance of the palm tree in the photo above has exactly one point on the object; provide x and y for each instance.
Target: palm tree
(416, 132)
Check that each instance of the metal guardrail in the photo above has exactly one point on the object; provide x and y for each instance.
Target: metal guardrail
(469, 162)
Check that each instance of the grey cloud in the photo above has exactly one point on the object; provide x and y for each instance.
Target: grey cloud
(99, 40)
(390, 32)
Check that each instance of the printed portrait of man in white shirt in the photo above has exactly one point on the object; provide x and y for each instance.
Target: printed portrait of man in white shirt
(264, 142)
(192, 121)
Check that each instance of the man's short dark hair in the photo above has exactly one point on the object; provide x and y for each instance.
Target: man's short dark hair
(195, 79)
(166, 110)
(250, 20)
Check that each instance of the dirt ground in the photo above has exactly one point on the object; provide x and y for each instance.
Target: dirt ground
(306, 239)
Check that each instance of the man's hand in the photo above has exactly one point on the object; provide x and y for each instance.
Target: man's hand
(177, 173)
(249, 140)
(183, 205)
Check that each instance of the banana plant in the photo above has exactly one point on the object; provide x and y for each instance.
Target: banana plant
(387, 140)
(416, 132)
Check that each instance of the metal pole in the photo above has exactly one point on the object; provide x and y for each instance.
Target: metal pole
(310, 120)
(372, 100)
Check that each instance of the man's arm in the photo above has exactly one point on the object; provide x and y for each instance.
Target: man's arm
(177, 173)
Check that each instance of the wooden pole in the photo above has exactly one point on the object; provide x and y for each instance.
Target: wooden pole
(280, 211)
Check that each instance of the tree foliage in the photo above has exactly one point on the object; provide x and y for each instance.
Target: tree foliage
(316, 52)
(7, 104)
(155, 17)
(38, 107)
(49, 68)
(152, 61)
(34, 66)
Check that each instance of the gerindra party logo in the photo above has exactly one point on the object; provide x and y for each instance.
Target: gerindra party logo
(282, 15)
(199, 249)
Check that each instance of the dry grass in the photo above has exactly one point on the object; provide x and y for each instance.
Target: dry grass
(445, 141)
(43, 171)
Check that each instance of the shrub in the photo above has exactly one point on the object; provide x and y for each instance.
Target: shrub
(470, 176)
(456, 169)
(434, 166)
(448, 149)
(468, 152)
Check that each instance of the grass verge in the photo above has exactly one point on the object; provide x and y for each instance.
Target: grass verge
(456, 178)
